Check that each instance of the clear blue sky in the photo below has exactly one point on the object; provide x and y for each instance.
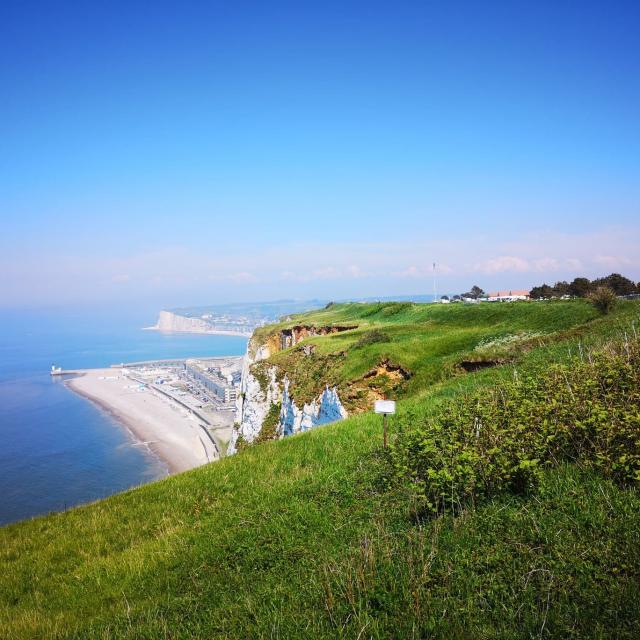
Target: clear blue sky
(177, 153)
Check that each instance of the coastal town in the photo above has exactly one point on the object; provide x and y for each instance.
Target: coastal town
(182, 409)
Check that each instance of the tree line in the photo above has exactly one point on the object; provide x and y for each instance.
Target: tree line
(475, 293)
(583, 287)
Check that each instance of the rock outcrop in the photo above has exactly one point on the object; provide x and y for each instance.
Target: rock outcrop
(327, 408)
(260, 392)
(254, 401)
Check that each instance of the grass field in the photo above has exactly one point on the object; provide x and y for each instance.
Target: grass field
(304, 538)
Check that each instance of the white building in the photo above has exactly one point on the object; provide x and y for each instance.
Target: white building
(508, 296)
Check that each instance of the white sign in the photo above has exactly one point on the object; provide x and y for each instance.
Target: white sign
(385, 406)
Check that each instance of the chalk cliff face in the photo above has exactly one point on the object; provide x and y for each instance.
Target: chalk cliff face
(168, 321)
(255, 402)
(327, 408)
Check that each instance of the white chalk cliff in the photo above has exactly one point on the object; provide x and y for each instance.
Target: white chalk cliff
(327, 408)
(254, 403)
(175, 323)
(168, 321)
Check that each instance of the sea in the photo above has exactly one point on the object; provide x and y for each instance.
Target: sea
(58, 449)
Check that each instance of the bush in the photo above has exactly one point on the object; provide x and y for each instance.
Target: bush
(603, 299)
(499, 440)
(371, 337)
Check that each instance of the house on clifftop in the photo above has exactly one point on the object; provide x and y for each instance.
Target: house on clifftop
(508, 296)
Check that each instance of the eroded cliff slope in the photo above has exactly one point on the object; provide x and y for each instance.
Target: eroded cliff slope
(266, 409)
(320, 366)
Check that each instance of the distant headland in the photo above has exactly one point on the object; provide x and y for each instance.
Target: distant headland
(235, 319)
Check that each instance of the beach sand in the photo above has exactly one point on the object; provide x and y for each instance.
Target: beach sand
(168, 429)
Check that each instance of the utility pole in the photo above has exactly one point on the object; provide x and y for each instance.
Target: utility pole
(435, 295)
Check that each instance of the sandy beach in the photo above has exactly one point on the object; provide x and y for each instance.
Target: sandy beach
(169, 430)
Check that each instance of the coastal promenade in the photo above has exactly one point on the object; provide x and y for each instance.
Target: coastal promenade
(197, 414)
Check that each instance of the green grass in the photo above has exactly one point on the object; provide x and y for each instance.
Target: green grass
(302, 538)
(428, 341)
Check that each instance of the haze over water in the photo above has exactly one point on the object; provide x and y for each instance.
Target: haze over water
(58, 449)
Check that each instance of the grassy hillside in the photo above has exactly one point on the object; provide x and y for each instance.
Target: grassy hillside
(416, 344)
(306, 537)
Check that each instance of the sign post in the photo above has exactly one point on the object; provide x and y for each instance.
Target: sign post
(386, 408)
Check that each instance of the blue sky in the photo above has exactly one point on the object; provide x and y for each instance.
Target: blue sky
(184, 153)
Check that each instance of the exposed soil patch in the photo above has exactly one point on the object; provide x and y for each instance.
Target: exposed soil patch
(291, 337)
(381, 382)
(387, 368)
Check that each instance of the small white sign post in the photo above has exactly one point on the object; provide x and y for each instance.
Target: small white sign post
(386, 408)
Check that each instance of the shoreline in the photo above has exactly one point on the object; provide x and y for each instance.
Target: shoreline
(169, 432)
(122, 421)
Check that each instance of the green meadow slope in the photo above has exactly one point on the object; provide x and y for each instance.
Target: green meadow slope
(310, 537)
(402, 349)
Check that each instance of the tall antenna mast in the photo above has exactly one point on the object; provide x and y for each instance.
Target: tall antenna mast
(435, 297)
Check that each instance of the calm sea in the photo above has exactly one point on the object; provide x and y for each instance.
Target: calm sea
(58, 450)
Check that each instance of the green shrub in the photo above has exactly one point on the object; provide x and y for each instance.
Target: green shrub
(241, 443)
(261, 374)
(499, 440)
(371, 337)
(270, 424)
(603, 299)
